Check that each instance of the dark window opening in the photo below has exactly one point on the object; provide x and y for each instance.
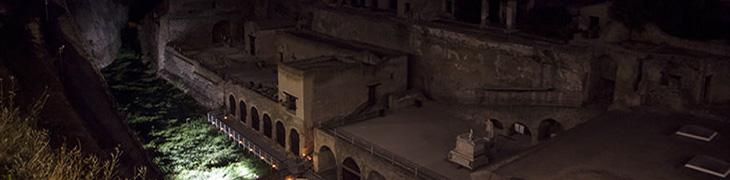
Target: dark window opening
(393, 5)
(357, 3)
(290, 102)
(469, 11)
(374, 4)
(494, 11)
(449, 6)
(408, 8)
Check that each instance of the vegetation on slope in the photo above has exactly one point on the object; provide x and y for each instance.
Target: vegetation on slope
(171, 124)
(25, 152)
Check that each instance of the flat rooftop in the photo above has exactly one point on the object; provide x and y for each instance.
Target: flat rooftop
(321, 64)
(232, 63)
(623, 145)
(345, 44)
(421, 135)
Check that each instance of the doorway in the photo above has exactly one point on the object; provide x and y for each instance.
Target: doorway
(252, 44)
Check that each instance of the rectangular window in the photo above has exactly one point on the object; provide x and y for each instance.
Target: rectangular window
(290, 102)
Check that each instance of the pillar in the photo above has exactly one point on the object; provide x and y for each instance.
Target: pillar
(485, 13)
(511, 14)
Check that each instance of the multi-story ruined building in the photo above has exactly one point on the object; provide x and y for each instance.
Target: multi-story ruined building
(379, 89)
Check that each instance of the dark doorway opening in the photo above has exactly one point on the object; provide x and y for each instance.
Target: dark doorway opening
(221, 32)
(469, 11)
(255, 119)
(373, 93)
(548, 129)
(705, 97)
(294, 142)
(280, 134)
(350, 170)
(267, 126)
(242, 112)
(252, 44)
(494, 11)
(231, 105)
(327, 165)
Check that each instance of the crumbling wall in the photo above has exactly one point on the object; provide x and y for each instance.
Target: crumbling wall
(472, 68)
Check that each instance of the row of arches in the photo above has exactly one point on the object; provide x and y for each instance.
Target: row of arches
(276, 132)
(350, 170)
(547, 129)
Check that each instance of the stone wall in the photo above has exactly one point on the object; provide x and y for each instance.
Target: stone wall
(457, 65)
(193, 78)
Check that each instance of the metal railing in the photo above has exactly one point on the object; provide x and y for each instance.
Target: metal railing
(246, 143)
(416, 170)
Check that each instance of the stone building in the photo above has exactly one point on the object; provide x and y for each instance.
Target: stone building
(378, 89)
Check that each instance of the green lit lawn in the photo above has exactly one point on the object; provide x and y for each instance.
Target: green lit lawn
(172, 126)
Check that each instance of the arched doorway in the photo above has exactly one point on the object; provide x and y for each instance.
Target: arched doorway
(350, 170)
(267, 126)
(242, 111)
(232, 105)
(221, 32)
(255, 118)
(326, 163)
(294, 142)
(374, 175)
(280, 134)
(548, 128)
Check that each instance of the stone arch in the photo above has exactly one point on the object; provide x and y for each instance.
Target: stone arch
(294, 142)
(350, 170)
(280, 134)
(255, 121)
(267, 126)
(242, 111)
(221, 31)
(326, 163)
(231, 105)
(548, 129)
(375, 175)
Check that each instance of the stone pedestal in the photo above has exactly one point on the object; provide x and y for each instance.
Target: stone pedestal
(470, 152)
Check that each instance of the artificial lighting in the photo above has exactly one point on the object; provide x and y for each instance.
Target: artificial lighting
(289, 178)
(225, 117)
